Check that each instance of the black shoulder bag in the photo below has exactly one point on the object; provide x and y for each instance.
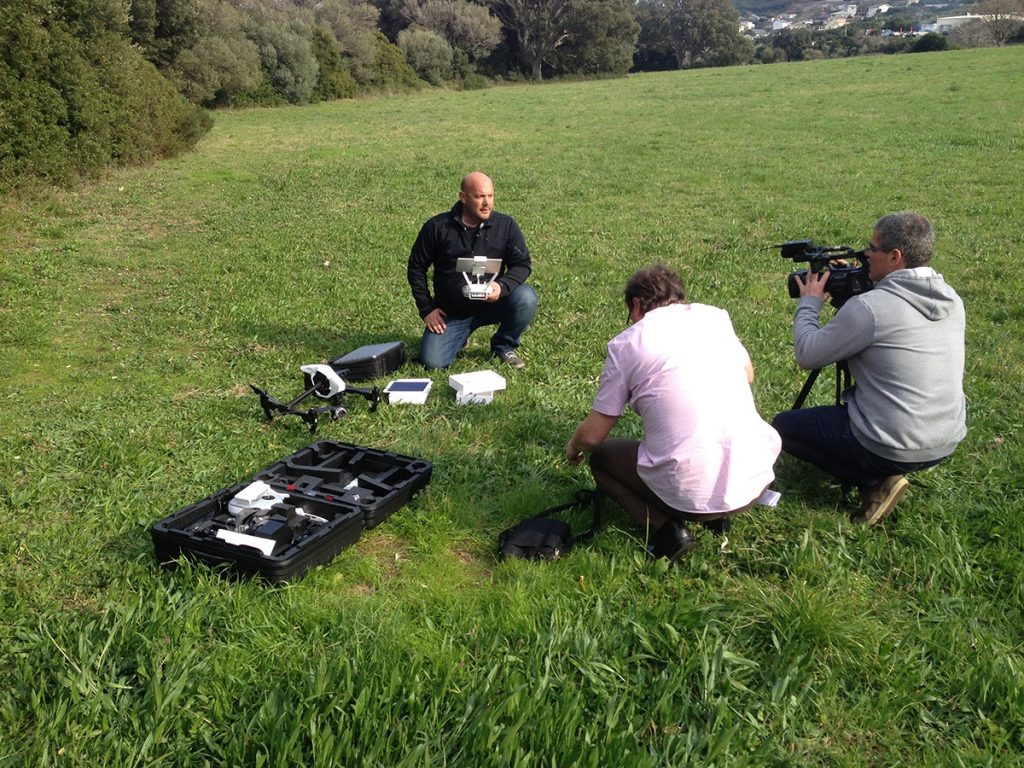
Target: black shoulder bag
(547, 538)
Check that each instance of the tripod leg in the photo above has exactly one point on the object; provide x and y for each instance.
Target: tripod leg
(806, 390)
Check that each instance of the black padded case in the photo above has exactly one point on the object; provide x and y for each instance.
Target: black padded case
(349, 486)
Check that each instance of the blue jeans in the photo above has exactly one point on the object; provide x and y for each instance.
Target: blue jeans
(512, 314)
(823, 437)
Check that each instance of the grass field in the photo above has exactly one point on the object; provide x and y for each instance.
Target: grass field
(135, 312)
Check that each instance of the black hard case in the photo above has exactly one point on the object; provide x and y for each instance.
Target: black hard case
(383, 481)
(314, 478)
(370, 362)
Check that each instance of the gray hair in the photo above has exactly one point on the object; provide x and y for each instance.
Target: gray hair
(910, 232)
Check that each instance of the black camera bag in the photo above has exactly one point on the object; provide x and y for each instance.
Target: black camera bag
(547, 538)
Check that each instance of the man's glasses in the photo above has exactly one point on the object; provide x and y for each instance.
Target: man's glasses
(869, 248)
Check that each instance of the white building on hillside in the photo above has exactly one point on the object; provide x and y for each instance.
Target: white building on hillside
(946, 24)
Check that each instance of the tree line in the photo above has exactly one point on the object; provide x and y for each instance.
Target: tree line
(88, 83)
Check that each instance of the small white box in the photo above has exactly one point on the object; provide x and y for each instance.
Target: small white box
(475, 387)
(413, 391)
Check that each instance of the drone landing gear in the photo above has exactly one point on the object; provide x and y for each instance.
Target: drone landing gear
(311, 416)
(325, 384)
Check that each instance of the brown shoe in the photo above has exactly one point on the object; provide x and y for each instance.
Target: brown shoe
(875, 505)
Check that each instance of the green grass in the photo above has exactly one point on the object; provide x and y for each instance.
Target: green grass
(135, 312)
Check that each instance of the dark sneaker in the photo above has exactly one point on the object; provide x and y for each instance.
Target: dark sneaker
(876, 504)
(671, 541)
(511, 358)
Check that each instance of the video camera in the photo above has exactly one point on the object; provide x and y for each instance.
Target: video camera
(845, 280)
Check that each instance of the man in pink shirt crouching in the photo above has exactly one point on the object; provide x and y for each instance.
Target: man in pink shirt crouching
(706, 453)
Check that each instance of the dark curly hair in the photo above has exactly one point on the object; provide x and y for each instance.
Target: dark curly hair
(655, 286)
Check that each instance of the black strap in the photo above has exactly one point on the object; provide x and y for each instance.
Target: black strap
(596, 498)
(583, 497)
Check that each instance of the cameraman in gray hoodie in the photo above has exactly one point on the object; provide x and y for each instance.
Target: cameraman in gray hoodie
(903, 342)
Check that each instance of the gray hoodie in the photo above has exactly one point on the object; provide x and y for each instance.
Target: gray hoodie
(904, 342)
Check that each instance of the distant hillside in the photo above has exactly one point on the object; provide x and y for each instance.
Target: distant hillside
(777, 7)
(762, 7)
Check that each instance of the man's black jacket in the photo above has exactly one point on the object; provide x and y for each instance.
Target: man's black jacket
(443, 239)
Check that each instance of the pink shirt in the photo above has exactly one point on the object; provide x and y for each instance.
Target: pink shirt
(683, 370)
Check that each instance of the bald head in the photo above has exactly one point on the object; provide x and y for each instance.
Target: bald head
(471, 180)
(477, 198)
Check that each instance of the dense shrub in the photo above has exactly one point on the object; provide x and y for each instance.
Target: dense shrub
(286, 55)
(32, 143)
(222, 63)
(216, 68)
(427, 52)
(390, 69)
(469, 28)
(894, 44)
(474, 81)
(932, 41)
(333, 79)
(75, 95)
(354, 25)
(769, 54)
(163, 29)
(257, 52)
